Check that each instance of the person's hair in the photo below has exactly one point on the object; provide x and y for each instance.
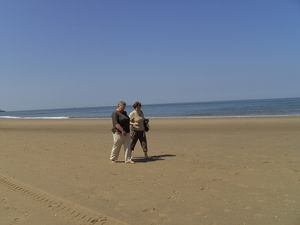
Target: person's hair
(136, 104)
(121, 103)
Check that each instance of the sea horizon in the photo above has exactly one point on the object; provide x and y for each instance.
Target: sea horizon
(203, 109)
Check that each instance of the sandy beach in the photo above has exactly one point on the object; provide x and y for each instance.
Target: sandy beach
(203, 171)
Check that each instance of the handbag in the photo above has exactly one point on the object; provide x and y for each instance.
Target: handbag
(146, 125)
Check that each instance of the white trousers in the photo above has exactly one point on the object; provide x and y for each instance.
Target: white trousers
(119, 140)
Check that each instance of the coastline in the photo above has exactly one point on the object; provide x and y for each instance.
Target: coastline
(155, 118)
(216, 109)
(204, 171)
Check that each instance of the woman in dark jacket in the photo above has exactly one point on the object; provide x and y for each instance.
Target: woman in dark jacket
(121, 133)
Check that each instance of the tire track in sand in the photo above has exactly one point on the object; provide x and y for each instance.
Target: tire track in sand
(70, 211)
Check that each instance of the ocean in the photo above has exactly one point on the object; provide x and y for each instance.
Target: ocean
(214, 109)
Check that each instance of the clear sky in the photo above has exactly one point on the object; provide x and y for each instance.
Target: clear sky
(71, 53)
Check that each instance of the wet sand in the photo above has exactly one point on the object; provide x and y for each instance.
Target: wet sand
(203, 171)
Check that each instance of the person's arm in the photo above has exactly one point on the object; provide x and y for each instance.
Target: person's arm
(133, 123)
(146, 120)
(118, 126)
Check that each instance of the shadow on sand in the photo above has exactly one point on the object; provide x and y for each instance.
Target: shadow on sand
(152, 158)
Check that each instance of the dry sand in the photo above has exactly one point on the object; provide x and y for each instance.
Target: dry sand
(204, 171)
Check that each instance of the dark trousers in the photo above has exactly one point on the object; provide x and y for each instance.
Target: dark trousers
(141, 136)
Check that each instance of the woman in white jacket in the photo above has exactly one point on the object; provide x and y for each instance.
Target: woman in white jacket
(137, 120)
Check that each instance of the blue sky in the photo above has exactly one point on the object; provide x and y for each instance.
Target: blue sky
(66, 53)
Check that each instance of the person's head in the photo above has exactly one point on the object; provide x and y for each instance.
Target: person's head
(137, 105)
(121, 105)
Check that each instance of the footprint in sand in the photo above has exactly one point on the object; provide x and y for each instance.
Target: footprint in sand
(149, 210)
(217, 179)
(172, 197)
(204, 188)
